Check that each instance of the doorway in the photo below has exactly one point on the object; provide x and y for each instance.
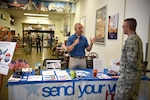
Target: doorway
(45, 36)
(45, 31)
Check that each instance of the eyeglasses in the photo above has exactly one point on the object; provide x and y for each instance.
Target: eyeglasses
(124, 26)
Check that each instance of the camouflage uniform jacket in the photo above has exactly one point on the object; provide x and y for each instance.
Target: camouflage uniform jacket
(132, 58)
(130, 69)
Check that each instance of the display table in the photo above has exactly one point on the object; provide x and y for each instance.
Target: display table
(86, 88)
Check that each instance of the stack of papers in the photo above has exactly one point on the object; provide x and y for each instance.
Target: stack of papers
(35, 78)
(49, 75)
(62, 75)
(12, 79)
(48, 72)
(104, 76)
(81, 73)
(113, 64)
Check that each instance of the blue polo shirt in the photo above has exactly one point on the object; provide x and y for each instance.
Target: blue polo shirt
(79, 49)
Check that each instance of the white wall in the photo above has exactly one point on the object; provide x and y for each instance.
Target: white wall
(76, 16)
(59, 30)
(138, 9)
(112, 48)
(6, 22)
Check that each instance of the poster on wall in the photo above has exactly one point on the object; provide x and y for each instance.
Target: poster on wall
(100, 26)
(113, 26)
(6, 54)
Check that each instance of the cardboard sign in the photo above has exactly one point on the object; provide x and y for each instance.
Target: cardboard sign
(6, 54)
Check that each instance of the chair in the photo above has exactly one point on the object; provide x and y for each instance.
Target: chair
(93, 55)
(145, 63)
(89, 59)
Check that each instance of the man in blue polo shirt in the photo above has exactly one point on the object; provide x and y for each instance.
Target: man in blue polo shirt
(76, 46)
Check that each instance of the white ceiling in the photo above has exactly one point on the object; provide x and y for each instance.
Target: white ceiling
(16, 13)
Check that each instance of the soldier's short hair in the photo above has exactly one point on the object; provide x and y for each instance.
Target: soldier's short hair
(131, 22)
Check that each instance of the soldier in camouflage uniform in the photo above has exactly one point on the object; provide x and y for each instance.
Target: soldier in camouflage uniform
(131, 63)
(28, 41)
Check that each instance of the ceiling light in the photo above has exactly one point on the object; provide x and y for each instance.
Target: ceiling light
(37, 17)
(58, 0)
(65, 0)
(41, 15)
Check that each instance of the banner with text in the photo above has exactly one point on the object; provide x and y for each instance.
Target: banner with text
(73, 90)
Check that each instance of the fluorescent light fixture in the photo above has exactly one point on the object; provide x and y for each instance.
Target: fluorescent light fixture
(65, 0)
(40, 15)
(37, 17)
(58, 0)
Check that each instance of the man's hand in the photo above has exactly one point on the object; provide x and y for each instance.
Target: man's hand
(92, 40)
(76, 41)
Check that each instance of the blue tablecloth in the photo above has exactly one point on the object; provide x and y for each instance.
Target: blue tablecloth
(85, 88)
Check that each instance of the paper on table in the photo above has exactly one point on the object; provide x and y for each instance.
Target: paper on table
(82, 73)
(97, 64)
(48, 72)
(12, 79)
(49, 77)
(104, 76)
(35, 78)
(62, 75)
(113, 64)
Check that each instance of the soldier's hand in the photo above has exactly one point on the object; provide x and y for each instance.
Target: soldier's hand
(118, 63)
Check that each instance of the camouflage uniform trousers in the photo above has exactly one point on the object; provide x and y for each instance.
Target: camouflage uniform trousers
(127, 89)
(28, 48)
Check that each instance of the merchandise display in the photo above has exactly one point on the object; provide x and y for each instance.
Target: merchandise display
(58, 74)
(67, 85)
